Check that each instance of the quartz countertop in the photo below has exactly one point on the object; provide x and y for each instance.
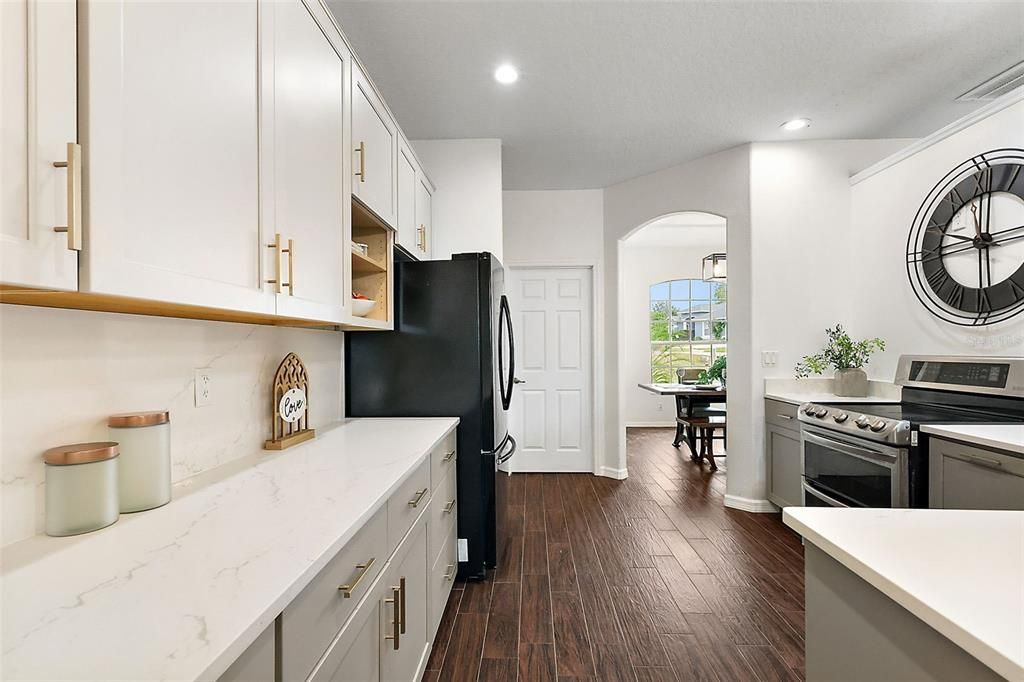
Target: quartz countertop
(1009, 437)
(819, 390)
(961, 572)
(179, 592)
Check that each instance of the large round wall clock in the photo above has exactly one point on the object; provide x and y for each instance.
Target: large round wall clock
(965, 253)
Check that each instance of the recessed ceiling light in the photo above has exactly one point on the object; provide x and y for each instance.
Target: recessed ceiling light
(796, 124)
(506, 74)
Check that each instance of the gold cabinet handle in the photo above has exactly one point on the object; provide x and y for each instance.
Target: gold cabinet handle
(448, 457)
(74, 226)
(276, 246)
(396, 621)
(401, 592)
(419, 238)
(363, 568)
(450, 573)
(291, 267)
(415, 502)
(448, 507)
(361, 149)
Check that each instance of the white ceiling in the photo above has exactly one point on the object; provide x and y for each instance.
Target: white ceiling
(681, 229)
(612, 90)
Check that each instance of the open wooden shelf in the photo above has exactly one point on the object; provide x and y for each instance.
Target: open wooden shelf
(371, 274)
(364, 264)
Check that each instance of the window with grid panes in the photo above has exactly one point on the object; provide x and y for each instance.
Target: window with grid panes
(688, 326)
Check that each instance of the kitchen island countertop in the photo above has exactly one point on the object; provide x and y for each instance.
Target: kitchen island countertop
(179, 592)
(961, 572)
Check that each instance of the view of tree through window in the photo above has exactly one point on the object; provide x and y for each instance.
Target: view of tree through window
(688, 326)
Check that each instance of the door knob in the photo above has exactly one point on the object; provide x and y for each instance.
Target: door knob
(517, 380)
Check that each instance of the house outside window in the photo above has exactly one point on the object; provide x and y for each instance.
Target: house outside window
(689, 329)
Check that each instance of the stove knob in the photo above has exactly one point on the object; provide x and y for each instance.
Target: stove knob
(841, 417)
(809, 410)
(821, 413)
(878, 425)
(862, 422)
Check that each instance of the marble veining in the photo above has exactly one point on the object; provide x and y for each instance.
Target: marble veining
(66, 371)
(179, 592)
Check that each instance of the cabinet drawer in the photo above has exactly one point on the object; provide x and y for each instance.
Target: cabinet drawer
(442, 459)
(406, 504)
(443, 511)
(781, 414)
(966, 477)
(442, 578)
(313, 618)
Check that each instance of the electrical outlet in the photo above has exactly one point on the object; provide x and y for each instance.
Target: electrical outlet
(660, 407)
(769, 358)
(204, 387)
(463, 549)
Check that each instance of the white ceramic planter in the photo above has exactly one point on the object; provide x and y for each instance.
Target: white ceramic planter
(851, 383)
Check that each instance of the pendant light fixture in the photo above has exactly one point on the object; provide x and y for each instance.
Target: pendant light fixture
(713, 267)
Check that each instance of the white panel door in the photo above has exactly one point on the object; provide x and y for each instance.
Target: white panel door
(551, 415)
(170, 117)
(304, 153)
(38, 106)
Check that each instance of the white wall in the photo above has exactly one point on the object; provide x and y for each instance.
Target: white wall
(559, 226)
(64, 372)
(467, 202)
(643, 266)
(883, 207)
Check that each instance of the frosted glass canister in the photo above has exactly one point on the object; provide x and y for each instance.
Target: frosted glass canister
(145, 467)
(81, 487)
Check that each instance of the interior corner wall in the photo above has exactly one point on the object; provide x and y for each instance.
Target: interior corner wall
(717, 184)
(643, 266)
(466, 206)
(884, 206)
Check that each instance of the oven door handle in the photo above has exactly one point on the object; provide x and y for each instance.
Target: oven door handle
(872, 456)
(830, 501)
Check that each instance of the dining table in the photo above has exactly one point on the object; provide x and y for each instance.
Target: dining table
(689, 397)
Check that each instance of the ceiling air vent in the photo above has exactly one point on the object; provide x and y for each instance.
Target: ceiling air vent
(996, 86)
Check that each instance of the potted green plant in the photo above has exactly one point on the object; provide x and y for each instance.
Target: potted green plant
(847, 357)
(716, 372)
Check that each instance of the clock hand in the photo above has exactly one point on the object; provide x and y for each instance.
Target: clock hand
(977, 222)
(957, 236)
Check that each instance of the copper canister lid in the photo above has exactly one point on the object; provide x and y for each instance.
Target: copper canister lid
(133, 419)
(81, 453)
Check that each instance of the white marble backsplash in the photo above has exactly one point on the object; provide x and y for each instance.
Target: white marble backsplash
(62, 373)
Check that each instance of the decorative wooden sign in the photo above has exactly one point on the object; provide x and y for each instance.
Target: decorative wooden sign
(289, 405)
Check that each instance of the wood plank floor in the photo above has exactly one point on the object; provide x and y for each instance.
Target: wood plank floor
(650, 578)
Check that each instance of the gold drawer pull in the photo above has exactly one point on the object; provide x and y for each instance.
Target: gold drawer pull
(74, 226)
(362, 168)
(396, 622)
(415, 502)
(291, 266)
(448, 457)
(448, 507)
(450, 573)
(363, 569)
(401, 592)
(276, 246)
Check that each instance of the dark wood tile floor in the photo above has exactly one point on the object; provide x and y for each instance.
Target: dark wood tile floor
(650, 578)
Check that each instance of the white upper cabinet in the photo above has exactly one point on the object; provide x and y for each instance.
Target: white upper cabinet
(304, 150)
(171, 143)
(406, 223)
(38, 104)
(375, 147)
(424, 225)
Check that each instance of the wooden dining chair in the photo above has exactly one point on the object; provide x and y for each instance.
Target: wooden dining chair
(707, 426)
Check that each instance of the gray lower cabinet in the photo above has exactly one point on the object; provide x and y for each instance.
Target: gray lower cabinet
(256, 664)
(968, 477)
(782, 453)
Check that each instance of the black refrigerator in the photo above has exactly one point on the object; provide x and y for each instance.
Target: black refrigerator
(451, 354)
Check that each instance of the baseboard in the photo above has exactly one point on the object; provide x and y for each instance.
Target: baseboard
(750, 505)
(608, 472)
(651, 425)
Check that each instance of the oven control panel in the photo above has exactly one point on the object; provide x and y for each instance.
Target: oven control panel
(849, 421)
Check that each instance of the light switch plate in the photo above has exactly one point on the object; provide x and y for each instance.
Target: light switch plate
(463, 549)
(204, 387)
(769, 358)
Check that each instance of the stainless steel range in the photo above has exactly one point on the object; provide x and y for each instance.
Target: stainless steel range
(874, 455)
